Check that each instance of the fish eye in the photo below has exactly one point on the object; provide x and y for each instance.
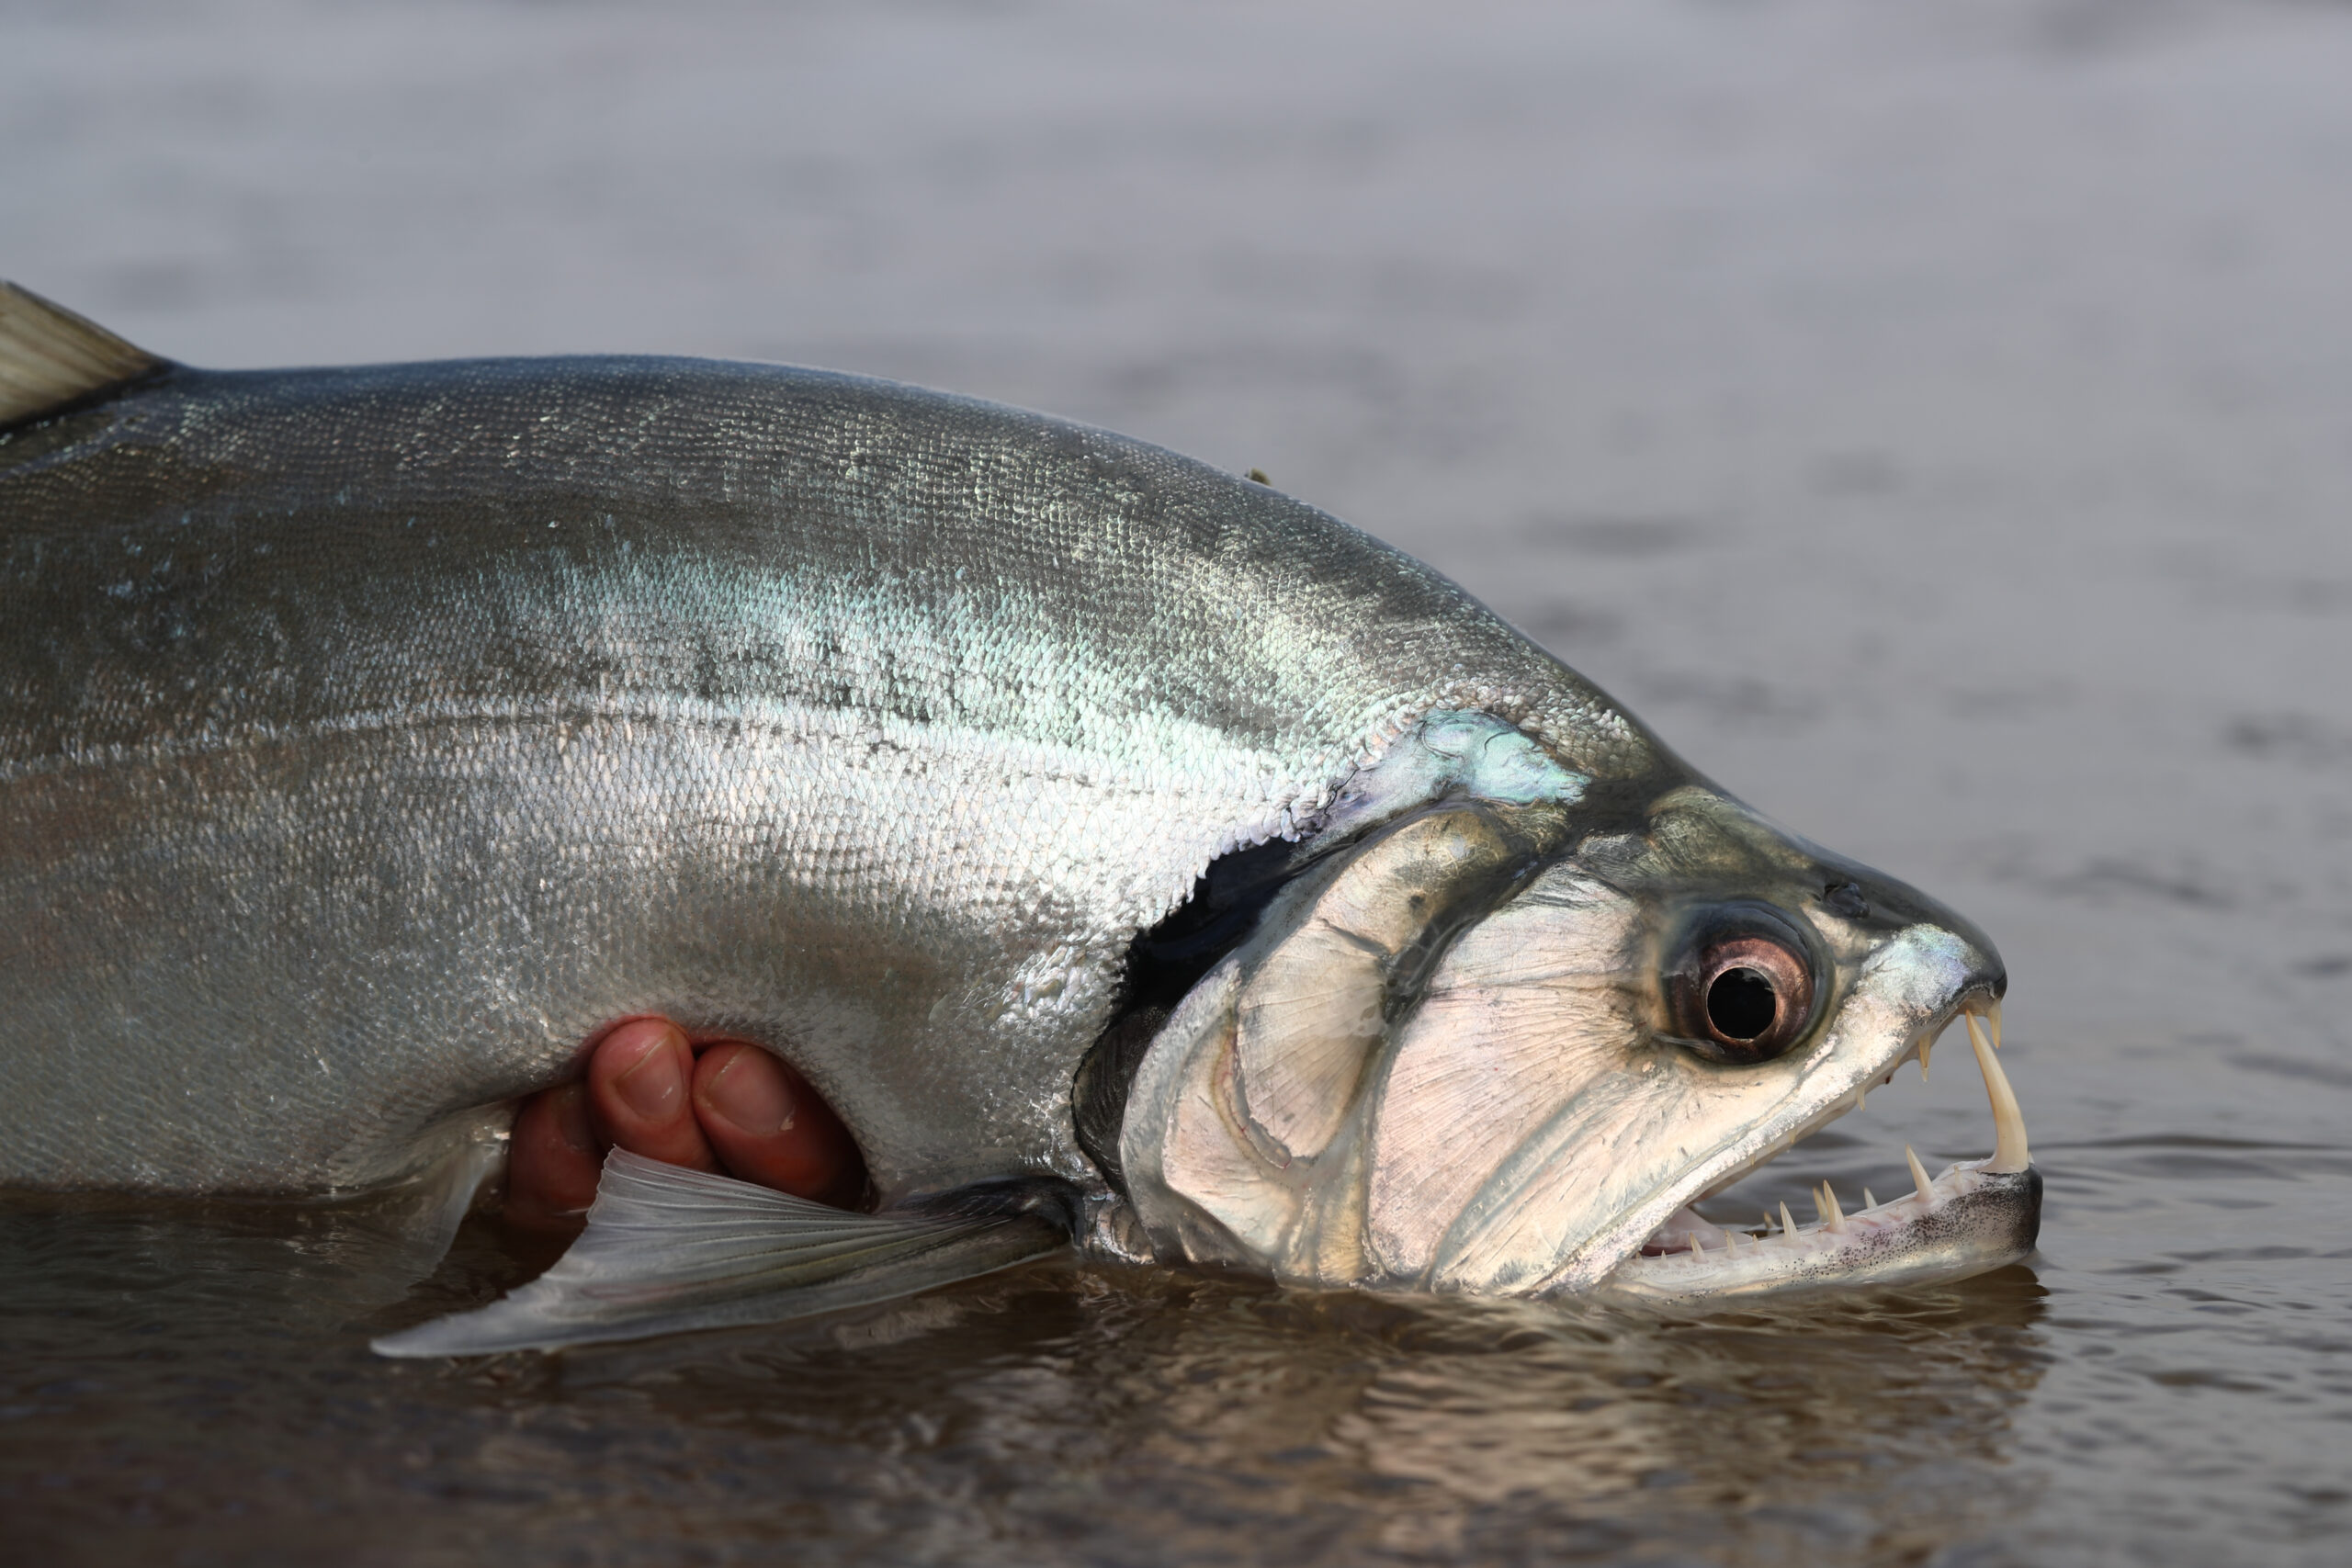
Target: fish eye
(1741, 986)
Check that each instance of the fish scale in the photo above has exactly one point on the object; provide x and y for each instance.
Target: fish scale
(429, 717)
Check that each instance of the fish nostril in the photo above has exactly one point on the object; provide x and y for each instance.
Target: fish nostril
(1742, 1004)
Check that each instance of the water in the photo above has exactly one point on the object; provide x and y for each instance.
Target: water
(1930, 419)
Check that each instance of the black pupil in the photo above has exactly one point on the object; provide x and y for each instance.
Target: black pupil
(1741, 1004)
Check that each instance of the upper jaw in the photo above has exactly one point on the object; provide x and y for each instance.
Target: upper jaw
(1904, 991)
(1836, 1098)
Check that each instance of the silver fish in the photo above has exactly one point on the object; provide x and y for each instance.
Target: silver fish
(1127, 851)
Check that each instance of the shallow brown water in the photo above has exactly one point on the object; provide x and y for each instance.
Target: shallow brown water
(196, 1381)
(1932, 420)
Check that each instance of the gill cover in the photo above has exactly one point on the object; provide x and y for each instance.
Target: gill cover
(1246, 1137)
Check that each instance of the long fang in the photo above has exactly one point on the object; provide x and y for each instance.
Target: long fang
(2008, 1122)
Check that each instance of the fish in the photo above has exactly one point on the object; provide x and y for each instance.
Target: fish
(1136, 858)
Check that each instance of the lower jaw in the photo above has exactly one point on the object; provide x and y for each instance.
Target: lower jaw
(1967, 1221)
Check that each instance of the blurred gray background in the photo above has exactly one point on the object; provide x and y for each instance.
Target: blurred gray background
(1932, 418)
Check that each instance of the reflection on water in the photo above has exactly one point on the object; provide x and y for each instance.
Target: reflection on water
(177, 1376)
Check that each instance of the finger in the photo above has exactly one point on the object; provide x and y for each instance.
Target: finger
(771, 1127)
(552, 1161)
(636, 1094)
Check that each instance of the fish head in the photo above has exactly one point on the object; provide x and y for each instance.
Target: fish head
(1501, 1046)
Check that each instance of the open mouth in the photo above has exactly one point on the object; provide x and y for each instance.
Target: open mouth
(1975, 1215)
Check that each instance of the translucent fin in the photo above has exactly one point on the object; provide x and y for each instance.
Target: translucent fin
(419, 1218)
(49, 356)
(668, 1250)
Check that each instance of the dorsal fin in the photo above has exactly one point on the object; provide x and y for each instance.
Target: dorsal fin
(49, 357)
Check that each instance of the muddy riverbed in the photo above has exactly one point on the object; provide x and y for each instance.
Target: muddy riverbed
(1933, 420)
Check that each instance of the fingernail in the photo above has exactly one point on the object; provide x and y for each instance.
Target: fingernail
(758, 1103)
(569, 1110)
(652, 1086)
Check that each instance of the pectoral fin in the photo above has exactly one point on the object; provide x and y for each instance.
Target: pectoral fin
(668, 1250)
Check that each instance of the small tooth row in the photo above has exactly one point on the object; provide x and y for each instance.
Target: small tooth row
(1834, 1220)
(1833, 1215)
(1824, 1198)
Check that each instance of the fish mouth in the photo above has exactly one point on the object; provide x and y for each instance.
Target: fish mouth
(1973, 1217)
